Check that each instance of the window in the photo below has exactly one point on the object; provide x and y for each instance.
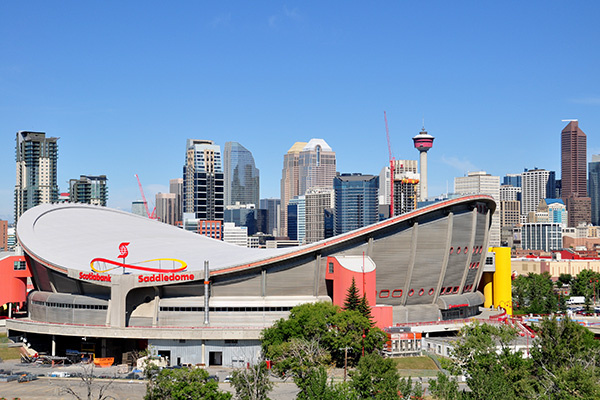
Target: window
(20, 265)
(397, 293)
(331, 268)
(384, 294)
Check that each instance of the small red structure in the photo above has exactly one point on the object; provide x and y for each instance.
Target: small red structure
(13, 285)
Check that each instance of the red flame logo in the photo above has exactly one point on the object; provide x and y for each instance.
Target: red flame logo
(123, 252)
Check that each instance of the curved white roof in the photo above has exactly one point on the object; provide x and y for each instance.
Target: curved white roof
(71, 235)
(313, 143)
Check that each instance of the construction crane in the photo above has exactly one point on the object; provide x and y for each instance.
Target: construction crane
(153, 215)
(392, 163)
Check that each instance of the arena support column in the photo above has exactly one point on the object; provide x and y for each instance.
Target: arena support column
(206, 291)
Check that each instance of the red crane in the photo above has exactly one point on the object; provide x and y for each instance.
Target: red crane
(153, 215)
(392, 159)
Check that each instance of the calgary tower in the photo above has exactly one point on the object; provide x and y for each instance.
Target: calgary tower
(423, 142)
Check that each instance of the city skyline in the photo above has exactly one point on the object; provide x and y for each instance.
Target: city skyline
(123, 98)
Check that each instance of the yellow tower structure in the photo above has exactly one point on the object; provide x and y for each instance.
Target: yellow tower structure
(502, 284)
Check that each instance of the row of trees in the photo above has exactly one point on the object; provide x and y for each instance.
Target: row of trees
(564, 364)
(535, 294)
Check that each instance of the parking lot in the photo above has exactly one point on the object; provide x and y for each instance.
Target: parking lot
(47, 387)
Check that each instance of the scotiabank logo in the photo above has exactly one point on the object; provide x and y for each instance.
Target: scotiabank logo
(94, 277)
(165, 278)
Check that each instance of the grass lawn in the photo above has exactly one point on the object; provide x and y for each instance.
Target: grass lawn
(422, 362)
(8, 353)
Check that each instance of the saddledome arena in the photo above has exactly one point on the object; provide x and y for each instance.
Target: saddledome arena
(202, 301)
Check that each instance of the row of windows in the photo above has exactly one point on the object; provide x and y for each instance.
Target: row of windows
(67, 305)
(225, 309)
(465, 250)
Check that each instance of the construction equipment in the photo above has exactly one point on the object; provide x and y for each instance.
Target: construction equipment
(153, 215)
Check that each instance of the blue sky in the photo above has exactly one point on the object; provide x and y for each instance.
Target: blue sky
(125, 83)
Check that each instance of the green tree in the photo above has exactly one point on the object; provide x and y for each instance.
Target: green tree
(307, 321)
(483, 354)
(584, 284)
(566, 361)
(365, 309)
(252, 383)
(316, 387)
(534, 294)
(564, 280)
(376, 377)
(329, 326)
(352, 301)
(297, 358)
(183, 384)
(346, 331)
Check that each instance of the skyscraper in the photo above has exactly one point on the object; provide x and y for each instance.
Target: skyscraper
(482, 183)
(166, 208)
(289, 182)
(89, 189)
(36, 157)
(316, 202)
(316, 166)
(242, 182)
(176, 188)
(594, 188)
(203, 181)
(272, 206)
(406, 186)
(536, 185)
(305, 166)
(574, 174)
(355, 201)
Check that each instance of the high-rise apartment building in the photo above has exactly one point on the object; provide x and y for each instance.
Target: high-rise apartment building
(242, 178)
(574, 174)
(406, 186)
(289, 182)
(297, 218)
(203, 180)
(89, 189)
(510, 193)
(512, 179)
(138, 207)
(594, 188)
(305, 166)
(355, 201)
(166, 208)
(36, 157)
(272, 206)
(482, 183)
(537, 184)
(316, 166)
(176, 188)
(317, 201)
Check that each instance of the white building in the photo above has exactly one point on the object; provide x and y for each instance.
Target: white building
(541, 236)
(534, 189)
(482, 183)
(237, 235)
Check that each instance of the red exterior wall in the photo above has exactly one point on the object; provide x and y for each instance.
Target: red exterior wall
(382, 316)
(13, 285)
(342, 279)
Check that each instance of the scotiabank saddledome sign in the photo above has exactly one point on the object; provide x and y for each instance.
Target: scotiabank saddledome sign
(162, 272)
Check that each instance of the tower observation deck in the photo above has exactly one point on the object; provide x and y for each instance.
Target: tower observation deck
(423, 142)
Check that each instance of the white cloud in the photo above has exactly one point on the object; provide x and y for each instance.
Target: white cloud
(463, 165)
(221, 20)
(590, 101)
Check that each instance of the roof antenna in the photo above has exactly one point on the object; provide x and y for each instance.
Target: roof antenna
(423, 129)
